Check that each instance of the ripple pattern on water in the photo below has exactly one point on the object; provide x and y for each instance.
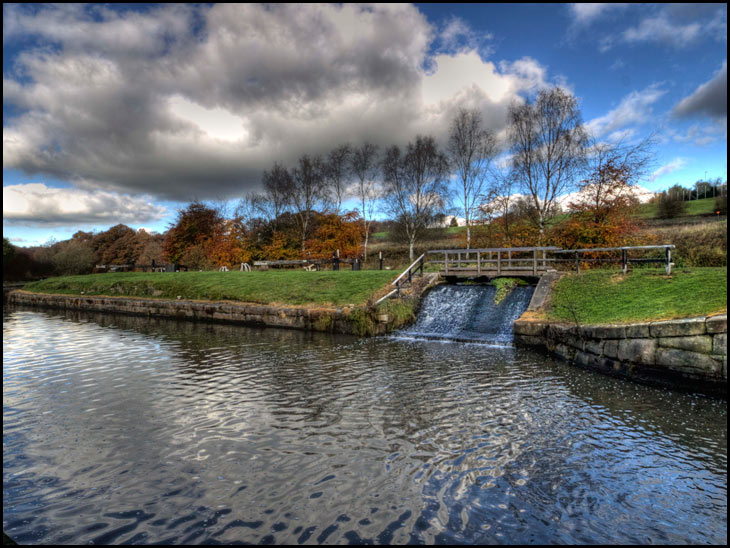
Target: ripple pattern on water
(129, 430)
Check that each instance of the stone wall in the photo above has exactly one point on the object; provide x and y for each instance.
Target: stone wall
(336, 320)
(687, 353)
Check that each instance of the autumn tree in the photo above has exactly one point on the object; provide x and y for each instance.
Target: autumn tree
(365, 167)
(415, 185)
(614, 172)
(471, 148)
(548, 147)
(196, 226)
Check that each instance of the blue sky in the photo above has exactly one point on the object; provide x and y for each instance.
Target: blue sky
(124, 114)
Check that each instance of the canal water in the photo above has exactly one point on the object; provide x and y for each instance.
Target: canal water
(129, 430)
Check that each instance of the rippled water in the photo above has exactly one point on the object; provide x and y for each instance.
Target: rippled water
(120, 429)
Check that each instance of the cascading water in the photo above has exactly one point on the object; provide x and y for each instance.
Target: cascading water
(469, 313)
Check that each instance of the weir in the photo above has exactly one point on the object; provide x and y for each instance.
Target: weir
(468, 313)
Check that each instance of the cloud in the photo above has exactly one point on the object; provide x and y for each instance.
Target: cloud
(674, 165)
(661, 29)
(37, 204)
(680, 25)
(586, 13)
(709, 99)
(635, 108)
(674, 25)
(456, 35)
(195, 102)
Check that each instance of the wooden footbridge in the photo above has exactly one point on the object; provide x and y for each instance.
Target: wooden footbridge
(493, 262)
(522, 261)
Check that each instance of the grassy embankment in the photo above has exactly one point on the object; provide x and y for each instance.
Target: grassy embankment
(704, 206)
(607, 296)
(292, 287)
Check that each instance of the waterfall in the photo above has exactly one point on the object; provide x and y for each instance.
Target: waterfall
(468, 313)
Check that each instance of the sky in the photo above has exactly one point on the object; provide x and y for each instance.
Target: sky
(118, 113)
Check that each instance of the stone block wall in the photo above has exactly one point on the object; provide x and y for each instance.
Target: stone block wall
(687, 353)
(336, 320)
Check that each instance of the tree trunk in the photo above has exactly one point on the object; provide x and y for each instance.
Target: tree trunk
(468, 236)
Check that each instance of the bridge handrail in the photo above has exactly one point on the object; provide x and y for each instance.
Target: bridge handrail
(626, 248)
(475, 250)
(407, 270)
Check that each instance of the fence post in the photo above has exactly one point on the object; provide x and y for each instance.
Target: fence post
(669, 261)
(499, 262)
(479, 262)
(420, 266)
(624, 261)
(380, 258)
(577, 264)
(534, 262)
(446, 262)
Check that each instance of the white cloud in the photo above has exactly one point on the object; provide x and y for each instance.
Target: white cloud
(635, 108)
(661, 29)
(674, 165)
(38, 204)
(587, 13)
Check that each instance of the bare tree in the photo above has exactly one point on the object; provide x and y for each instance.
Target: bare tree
(548, 145)
(337, 173)
(471, 149)
(415, 186)
(614, 170)
(307, 192)
(278, 184)
(365, 167)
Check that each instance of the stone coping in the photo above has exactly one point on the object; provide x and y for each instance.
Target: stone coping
(686, 353)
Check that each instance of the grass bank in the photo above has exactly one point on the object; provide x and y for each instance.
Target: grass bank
(293, 287)
(603, 296)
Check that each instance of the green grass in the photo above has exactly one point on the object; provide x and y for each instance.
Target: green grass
(704, 206)
(602, 296)
(272, 287)
(504, 286)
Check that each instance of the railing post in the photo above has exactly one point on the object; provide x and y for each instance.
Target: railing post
(669, 261)
(577, 264)
(624, 261)
(534, 262)
(509, 259)
(479, 262)
(420, 266)
(544, 260)
(446, 262)
(499, 262)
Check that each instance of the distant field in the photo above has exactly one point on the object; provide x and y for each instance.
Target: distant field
(293, 287)
(607, 296)
(705, 206)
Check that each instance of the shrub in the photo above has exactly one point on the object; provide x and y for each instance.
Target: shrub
(670, 205)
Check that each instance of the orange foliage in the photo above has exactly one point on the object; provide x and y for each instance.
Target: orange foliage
(333, 232)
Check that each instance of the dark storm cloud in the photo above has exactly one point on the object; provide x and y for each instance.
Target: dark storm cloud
(137, 102)
(709, 99)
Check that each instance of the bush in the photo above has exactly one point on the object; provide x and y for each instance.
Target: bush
(670, 206)
(721, 204)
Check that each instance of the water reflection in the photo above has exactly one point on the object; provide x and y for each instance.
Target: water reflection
(124, 429)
